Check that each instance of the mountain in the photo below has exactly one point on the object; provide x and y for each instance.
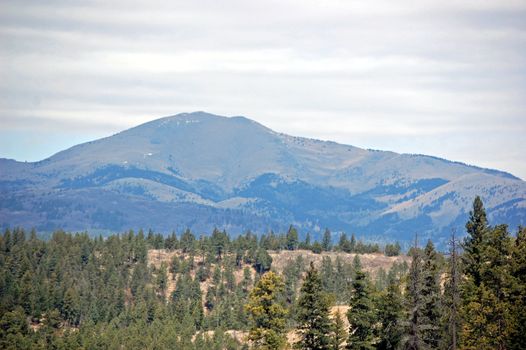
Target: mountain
(200, 170)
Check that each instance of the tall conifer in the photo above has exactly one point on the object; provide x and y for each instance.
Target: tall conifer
(268, 316)
(313, 314)
(451, 299)
(339, 334)
(361, 315)
(390, 315)
(518, 297)
(415, 302)
(475, 242)
(432, 308)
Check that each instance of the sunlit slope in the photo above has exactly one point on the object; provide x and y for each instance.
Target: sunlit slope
(199, 170)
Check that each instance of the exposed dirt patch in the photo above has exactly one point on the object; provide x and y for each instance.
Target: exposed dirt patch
(156, 257)
(293, 336)
(370, 262)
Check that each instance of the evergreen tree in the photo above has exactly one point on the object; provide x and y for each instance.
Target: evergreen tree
(518, 296)
(432, 308)
(451, 299)
(306, 244)
(292, 273)
(381, 280)
(339, 335)
(268, 316)
(361, 315)
(246, 282)
(475, 242)
(328, 278)
(113, 295)
(341, 282)
(187, 242)
(263, 261)
(344, 245)
(292, 238)
(313, 314)
(14, 330)
(474, 246)
(392, 249)
(326, 242)
(415, 303)
(171, 242)
(488, 317)
(316, 248)
(220, 242)
(71, 307)
(488, 283)
(162, 280)
(352, 244)
(390, 315)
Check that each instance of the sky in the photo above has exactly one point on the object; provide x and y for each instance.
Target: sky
(444, 78)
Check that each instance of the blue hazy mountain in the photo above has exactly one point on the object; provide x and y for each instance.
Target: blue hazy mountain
(200, 171)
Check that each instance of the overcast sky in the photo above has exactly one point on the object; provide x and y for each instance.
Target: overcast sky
(445, 78)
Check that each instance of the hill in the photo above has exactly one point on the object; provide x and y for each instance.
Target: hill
(199, 170)
(371, 263)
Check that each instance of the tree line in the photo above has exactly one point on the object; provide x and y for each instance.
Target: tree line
(471, 300)
(75, 291)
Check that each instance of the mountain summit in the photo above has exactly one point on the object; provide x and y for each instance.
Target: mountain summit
(200, 170)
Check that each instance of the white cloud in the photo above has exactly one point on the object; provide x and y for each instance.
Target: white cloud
(444, 78)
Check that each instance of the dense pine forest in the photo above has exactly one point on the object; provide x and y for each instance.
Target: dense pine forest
(149, 291)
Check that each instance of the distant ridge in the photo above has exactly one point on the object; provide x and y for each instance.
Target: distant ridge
(200, 170)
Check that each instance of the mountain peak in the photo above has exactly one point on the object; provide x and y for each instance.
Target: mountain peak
(192, 117)
(202, 116)
(198, 116)
(182, 119)
(201, 170)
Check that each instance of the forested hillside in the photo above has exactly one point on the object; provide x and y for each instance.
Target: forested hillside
(149, 291)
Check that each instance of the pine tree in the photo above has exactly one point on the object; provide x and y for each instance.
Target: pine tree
(313, 314)
(328, 278)
(306, 244)
(352, 245)
(488, 284)
(518, 296)
(268, 316)
(415, 303)
(392, 249)
(13, 329)
(475, 242)
(292, 238)
(316, 248)
(344, 245)
(432, 308)
(390, 314)
(473, 292)
(187, 242)
(326, 242)
(451, 300)
(219, 242)
(162, 280)
(263, 261)
(339, 334)
(488, 317)
(71, 307)
(361, 315)
(482, 328)
(171, 241)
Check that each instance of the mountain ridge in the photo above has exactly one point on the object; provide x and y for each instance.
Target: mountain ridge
(227, 168)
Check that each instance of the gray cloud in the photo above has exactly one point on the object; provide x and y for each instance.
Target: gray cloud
(447, 79)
